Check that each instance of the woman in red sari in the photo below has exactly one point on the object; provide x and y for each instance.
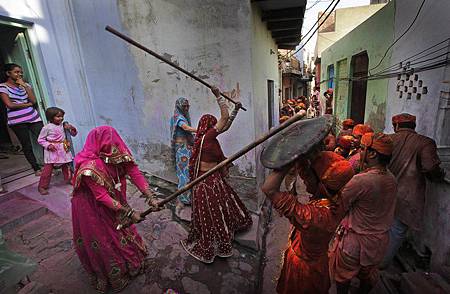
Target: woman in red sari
(110, 257)
(217, 211)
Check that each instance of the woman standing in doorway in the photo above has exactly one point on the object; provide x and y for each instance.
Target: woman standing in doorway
(23, 117)
(217, 211)
(182, 139)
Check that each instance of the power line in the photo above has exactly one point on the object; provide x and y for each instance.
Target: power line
(313, 25)
(404, 33)
(328, 15)
(409, 59)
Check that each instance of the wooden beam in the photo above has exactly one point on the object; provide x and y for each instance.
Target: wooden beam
(286, 47)
(284, 25)
(283, 14)
(288, 40)
(286, 33)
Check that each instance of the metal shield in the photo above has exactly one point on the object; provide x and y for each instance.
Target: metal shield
(295, 140)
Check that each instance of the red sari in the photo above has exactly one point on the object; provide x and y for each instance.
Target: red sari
(217, 211)
(110, 257)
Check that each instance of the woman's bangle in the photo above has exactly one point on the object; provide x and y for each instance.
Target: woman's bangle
(130, 213)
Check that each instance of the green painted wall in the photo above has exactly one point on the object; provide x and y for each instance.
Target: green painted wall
(374, 36)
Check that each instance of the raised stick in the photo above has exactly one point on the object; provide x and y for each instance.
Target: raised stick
(140, 46)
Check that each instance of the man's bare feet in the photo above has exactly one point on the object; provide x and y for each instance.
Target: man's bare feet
(38, 173)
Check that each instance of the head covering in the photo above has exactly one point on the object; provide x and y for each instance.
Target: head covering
(206, 122)
(332, 169)
(179, 114)
(302, 105)
(403, 117)
(361, 129)
(103, 146)
(345, 142)
(330, 91)
(380, 142)
(348, 123)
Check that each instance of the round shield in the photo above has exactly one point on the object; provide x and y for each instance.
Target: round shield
(295, 140)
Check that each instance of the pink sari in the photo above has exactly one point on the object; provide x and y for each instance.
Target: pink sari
(110, 257)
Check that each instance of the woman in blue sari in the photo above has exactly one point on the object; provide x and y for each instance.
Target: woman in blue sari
(182, 140)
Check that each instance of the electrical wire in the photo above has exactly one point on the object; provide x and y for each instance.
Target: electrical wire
(313, 25)
(446, 46)
(328, 15)
(404, 33)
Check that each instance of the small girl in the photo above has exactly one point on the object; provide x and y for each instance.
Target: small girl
(56, 147)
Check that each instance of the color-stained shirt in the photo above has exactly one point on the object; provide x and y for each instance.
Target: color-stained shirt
(18, 95)
(369, 199)
(413, 157)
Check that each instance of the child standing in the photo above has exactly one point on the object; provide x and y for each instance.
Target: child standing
(56, 147)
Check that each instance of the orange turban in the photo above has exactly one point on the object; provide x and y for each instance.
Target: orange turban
(403, 117)
(361, 129)
(333, 170)
(345, 141)
(380, 142)
(348, 123)
(302, 105)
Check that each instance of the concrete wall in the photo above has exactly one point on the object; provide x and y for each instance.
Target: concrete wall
(380, 29)
(264, 66)
(346, 20)
(430, 28)
(141, 91)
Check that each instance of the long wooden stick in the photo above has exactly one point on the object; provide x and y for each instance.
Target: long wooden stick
(232, 158)
(142, 47)
(229, 160)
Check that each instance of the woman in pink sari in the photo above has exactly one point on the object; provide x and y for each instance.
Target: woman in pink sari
(111, 257)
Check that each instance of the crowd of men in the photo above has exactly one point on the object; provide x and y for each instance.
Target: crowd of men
(368, 190)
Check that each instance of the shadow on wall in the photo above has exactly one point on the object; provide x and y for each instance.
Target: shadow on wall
(377, 116)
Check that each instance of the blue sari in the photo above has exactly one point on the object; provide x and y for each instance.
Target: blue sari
(182, 151)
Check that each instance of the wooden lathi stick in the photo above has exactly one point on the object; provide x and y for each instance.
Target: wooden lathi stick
(142, 47)
(232, 158)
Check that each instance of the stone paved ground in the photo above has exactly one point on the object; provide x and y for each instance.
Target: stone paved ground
(48, 241)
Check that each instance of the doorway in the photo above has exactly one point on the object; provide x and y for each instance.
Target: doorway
(15, 48)
(271, 102)
(359, 68)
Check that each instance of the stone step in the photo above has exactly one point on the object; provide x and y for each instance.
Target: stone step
(19, 210)
(17, 175)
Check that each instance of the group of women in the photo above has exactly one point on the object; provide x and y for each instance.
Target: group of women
(113, 257)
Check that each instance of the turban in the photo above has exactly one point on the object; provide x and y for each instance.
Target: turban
(302, 105)
(348, 123)
(333, 170)
(345, 141)
(330, 91)
(380, 142)
(361, 129)
(403, 117)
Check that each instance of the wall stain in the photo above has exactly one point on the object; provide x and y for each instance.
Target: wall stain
(377, 118)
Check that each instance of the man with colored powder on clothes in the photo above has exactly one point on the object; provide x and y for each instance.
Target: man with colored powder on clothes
(368, 201)
(414, 160)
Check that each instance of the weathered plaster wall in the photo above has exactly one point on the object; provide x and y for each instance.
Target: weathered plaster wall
(264, 67)
(56, 52)
(430, 28)
(374, 36)
(346, 20)
(136, 93)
